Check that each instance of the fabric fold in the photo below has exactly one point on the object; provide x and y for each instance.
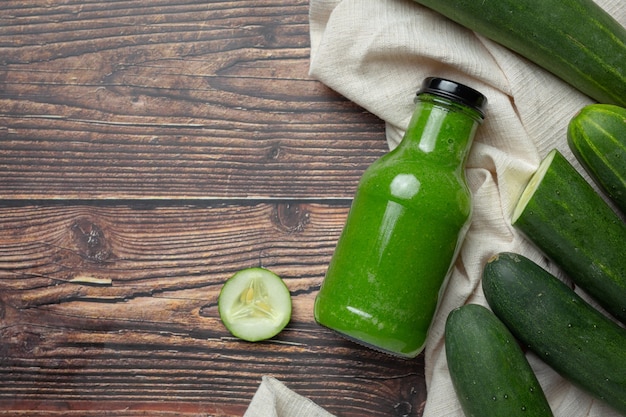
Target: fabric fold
(274, 399)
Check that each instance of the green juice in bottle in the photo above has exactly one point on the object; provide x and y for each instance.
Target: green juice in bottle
(405, 226)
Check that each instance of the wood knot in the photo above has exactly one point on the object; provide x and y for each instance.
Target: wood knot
(90, 240)
(402, 409)
(269, 35)
(291, 218)
(19, 340)
(274, 153)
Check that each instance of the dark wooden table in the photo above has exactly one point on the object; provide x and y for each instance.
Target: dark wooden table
(148, 150)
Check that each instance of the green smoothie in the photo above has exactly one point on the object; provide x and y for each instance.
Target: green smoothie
(404, 229)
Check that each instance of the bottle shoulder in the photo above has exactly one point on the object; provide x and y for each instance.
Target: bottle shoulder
(404, 173)
(416, 184)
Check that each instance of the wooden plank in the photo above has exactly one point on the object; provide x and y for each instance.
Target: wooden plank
(113, 308)
(145, 100)
(172, 144)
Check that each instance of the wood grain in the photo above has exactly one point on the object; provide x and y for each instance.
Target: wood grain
(148, 150)
(149, 324)
(158, 100)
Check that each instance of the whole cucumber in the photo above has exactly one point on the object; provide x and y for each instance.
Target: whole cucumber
(489, 372)
(576, 340)
(576, 40)
(597, 137)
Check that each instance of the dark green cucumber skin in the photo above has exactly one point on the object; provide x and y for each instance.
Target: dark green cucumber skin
(567, 333)
(576, 40)
(597, 137)
(579, 231)
(490, 374)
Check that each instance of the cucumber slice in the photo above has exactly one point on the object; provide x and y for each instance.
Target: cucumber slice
(255, 304)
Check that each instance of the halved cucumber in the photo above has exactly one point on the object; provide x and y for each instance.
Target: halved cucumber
(255, 304)
(565, 218)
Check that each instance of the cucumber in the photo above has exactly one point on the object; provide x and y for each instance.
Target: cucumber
(254, 304)
(489, 372)
(569, 335)
(597, 137)
(564, 217)
(576, 40)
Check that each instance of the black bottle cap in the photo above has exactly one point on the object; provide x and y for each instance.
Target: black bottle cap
(454, 91)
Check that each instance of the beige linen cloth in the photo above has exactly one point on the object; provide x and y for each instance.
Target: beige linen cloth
(376, 53)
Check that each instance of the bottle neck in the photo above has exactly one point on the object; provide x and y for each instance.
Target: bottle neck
(441, 129)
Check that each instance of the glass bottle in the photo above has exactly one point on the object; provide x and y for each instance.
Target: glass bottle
(408, 218)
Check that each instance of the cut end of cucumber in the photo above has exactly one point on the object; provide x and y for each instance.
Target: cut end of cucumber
(255, 304)
(532, 185)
